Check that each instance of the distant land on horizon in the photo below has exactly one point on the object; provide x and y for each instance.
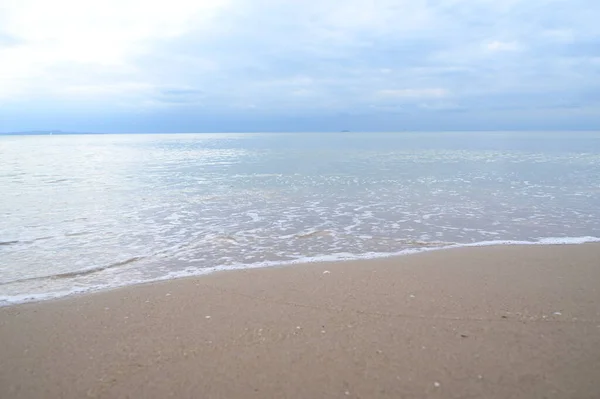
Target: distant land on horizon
(42, 132)
(61, 132)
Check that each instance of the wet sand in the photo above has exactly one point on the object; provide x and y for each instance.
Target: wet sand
(487, 322)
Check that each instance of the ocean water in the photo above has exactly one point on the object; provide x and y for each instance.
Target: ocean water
(89, 212)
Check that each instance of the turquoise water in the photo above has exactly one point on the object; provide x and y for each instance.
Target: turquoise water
(89, 212)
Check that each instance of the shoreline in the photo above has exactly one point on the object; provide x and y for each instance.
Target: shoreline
(516, 321)
(37, 298)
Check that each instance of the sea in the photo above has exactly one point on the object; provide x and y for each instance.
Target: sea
(82, 213)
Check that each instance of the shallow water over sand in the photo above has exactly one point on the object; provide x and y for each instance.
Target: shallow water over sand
(91, 212)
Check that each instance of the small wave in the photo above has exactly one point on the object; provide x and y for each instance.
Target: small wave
(77, 273)
(254, 216)
(539, 241)
(227, 239)
(38, 239)
(75, 219)
(311, 234)
(77, 233)
(92, 270)
(336, 257)
(31, 241)
(428, 244)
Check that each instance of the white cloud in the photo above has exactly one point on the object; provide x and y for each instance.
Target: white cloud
(302, 92)
(559, 35)
(379, 16)
(287, 57)
(497, 45)
(109, 89)
(413, 93)
(109, 33)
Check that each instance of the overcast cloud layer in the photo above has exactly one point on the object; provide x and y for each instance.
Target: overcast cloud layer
(266, 65)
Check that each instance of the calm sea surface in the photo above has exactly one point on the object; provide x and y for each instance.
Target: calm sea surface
(87, 212)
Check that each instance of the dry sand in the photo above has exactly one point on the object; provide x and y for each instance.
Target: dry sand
(495, 322)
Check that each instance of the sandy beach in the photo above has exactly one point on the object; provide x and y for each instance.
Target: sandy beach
(485, 322)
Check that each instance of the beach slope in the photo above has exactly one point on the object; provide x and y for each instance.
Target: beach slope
(489, 322)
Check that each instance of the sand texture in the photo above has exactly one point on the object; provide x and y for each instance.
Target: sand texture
(487, 322)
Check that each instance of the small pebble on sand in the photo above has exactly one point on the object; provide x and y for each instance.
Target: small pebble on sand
(326, 272)
(436, 384)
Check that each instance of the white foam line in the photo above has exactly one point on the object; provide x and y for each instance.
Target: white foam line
(191, 272)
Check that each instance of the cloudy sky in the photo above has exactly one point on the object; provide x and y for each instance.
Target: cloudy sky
(299, 65)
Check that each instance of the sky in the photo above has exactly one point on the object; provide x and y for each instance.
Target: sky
(299, 65)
